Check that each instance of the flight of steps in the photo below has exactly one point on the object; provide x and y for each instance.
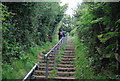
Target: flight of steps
(65, 69)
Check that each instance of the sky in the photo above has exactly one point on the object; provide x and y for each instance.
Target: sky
(71, 5)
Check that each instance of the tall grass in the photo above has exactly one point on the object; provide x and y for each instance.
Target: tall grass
(82, 64)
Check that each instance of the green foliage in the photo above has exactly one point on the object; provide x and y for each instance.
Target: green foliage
(82, 64)
(83, 67)
(104, 37)
(97, 20)
(118, 21)
(66, 23)
(27, 27)
(22, 66)
(97, 26)
(53, 74)
(28, 24)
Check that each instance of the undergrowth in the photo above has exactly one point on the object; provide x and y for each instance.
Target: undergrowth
(83, 67)
(18, 68)
(81, 62)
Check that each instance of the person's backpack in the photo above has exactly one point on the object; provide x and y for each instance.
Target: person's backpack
(61, 33)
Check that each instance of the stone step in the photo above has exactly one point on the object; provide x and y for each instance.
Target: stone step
(38, 77)
(69, 46)
(63, 74)
(68, 59)
(65, 65)
(58, 68)
(52, 65)
(59, 65)
(71, 54)
(44, 68)
(64, 62)
(66, 69)
(63, 78)
(54, 78)
(44, 61)
(60, 73)
(51, 54)
(44, 65)
(69, 51)
(65, 56)
(41, 73)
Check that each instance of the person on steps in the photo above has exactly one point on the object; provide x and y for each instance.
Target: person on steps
(60, 34)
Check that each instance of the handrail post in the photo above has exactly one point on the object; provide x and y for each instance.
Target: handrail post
(55, 57)
(60, 44)
(62, 41)
(58, 48)
(47, 63)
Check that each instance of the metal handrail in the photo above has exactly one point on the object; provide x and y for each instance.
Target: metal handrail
(30, 72)
(46, 56)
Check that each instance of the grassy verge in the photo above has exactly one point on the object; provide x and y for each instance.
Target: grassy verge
(18, 68)
(82, 64)
(84, 70)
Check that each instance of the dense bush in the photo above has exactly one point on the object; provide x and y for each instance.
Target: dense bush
(28, 24)
(98, 28)
(27, 28)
